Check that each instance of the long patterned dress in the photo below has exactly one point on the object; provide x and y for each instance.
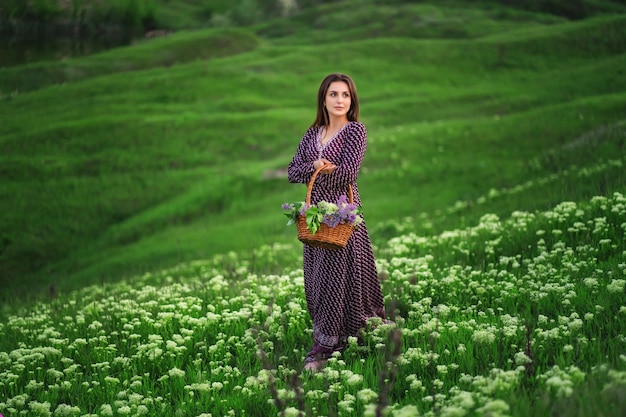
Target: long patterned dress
(341, 286)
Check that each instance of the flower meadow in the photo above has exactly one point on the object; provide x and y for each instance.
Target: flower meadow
(522, 316)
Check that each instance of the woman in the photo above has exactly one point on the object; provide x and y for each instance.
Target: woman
(341, 286)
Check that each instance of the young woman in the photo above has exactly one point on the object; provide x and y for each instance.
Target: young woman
(341, 286)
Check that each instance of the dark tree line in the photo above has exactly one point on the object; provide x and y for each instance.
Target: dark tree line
(570, 9)
(141, 15)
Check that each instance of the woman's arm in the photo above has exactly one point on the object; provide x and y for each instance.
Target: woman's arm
(300, 168)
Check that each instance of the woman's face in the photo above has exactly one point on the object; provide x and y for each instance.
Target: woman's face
(338, 99)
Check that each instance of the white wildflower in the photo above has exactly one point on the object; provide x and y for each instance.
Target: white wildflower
(367, 395)
(616, 286)
(176, 373)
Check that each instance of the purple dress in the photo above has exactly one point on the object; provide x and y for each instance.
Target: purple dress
(341, 286)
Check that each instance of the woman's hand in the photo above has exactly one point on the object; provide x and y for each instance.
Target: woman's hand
(323, 161)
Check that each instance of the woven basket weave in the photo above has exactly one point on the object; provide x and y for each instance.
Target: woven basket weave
(326, 237)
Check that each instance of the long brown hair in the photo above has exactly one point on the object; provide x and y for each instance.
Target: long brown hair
(322, 113)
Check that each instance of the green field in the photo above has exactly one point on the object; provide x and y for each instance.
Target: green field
(144, 257)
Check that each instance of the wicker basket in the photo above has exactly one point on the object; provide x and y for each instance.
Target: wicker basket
(326, 237)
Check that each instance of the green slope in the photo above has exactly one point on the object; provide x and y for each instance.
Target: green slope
(165, 151)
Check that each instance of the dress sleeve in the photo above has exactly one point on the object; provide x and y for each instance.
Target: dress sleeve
(352, 156)
(300, 169)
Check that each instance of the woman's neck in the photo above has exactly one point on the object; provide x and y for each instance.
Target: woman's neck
(336, 123)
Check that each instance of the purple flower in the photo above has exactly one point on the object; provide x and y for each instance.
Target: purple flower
(332, 220)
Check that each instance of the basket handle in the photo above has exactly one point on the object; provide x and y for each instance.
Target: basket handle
(310, 187)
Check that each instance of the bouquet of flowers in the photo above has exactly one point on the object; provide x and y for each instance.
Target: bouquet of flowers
(324, 212)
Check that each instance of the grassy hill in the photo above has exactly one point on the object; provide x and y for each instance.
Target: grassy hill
(165, 151)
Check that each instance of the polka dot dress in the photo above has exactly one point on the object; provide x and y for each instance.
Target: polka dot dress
(341, 286)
